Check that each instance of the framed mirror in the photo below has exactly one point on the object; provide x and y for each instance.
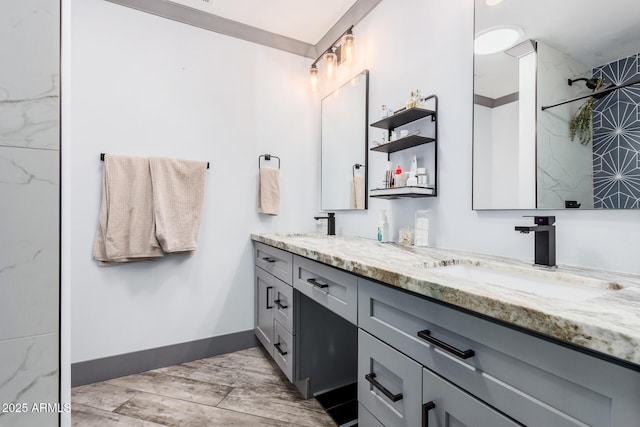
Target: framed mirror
(344, 145)
(557, 106)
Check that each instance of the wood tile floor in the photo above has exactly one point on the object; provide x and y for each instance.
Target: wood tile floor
(245, 388)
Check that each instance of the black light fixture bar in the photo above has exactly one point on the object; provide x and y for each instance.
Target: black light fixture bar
(334, 44)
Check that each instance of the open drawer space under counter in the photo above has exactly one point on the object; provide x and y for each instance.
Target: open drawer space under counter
(532, 380)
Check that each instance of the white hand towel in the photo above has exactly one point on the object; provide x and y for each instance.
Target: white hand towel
(126, 214)
(178, 202)
(357, 192)
(269, 191)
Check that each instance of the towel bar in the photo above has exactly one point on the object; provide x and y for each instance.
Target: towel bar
(356, 166)
(268, 157)
(102, 158)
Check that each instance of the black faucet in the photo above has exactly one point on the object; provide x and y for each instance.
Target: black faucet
(545, 242)
(331, 223)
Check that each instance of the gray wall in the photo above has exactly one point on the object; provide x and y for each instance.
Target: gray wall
(29, 212)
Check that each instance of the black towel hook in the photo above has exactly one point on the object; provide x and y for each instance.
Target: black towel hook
(267, 157)
(356, 166)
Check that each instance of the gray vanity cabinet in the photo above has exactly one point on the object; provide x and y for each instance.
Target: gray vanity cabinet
(274, 305)
(533, 381)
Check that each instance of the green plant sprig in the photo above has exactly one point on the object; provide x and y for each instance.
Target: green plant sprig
(581, 123)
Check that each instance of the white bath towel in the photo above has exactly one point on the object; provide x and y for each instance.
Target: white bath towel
(269, 191)
(357, 192)
(126, 214)
(178, 202)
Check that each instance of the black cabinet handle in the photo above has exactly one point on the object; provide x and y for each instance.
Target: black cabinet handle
(315, 282)
(372, 379)
(277, 346)
(269, 259)
(462, 354)
(268, 307)
(280, 305)
(425, 413)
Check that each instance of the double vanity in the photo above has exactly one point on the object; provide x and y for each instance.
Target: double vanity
(444, 338)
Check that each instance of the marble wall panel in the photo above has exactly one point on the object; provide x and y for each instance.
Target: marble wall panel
(28, 376)
(29, 190)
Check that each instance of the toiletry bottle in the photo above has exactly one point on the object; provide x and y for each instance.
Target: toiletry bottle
(387, 176)
(411, 101)
(397, 173)
(383, 227)
(422, 177)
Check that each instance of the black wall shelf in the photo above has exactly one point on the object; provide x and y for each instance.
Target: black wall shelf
(401, 118)
(404, 117)
(403, 143)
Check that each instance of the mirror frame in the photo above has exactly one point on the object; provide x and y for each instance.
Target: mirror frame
(365, 143)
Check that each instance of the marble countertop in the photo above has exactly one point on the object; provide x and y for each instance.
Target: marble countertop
(608, 323)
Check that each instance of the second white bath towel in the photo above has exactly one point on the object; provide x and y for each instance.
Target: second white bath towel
(178, 202)
(269, 191)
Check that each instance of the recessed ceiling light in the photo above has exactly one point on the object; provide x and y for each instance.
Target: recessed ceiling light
(496, 40)
(492, 2)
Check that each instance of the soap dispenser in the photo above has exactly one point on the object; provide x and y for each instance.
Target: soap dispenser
(383, 227)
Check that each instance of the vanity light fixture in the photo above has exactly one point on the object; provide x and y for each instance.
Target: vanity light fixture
(341, 51)
(496, 40)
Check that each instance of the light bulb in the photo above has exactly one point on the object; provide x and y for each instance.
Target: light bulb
(314, 76)
(347, 47)
(332, 62)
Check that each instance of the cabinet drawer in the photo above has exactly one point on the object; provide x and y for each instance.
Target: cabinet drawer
(329, 287)
(283, 305)
(389, 383)
(275, 261)
(283, 349)
(365, 419)
(446, 405)
(533, 381)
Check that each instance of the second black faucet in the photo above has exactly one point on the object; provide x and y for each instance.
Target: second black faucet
(331, 223)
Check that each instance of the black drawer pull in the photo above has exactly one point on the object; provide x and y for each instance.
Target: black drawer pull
(462, 354)
(277, 346)
(280, 305)
(392, 397)
(315, 282)
(425, 413)
(269, 259)
(268, 306)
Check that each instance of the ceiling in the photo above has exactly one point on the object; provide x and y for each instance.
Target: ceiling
(593, 33)
(301, 20)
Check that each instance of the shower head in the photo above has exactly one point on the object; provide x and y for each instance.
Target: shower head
(590, 83)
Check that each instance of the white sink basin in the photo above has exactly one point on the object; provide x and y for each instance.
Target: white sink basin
(539, 282)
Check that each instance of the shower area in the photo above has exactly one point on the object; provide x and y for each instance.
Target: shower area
(29, 216)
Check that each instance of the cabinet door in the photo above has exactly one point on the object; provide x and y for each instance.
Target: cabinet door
(445, 405)
(389, 383)
(264, 307)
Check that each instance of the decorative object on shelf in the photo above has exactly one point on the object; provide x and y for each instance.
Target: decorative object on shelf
(582, 121)
(341, 51)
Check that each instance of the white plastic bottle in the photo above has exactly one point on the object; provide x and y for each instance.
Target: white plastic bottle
(383, 227)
